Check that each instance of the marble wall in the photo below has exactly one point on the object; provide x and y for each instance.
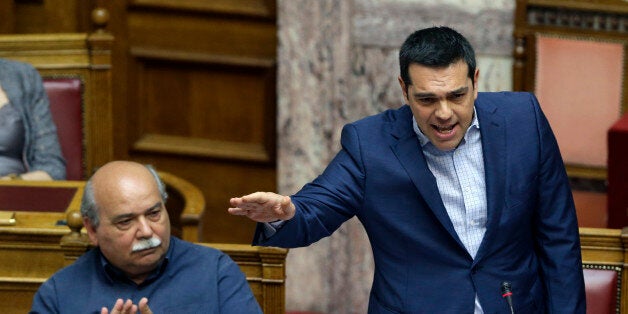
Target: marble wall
(338, 63)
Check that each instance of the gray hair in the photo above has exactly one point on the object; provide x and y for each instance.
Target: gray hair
(89, 208)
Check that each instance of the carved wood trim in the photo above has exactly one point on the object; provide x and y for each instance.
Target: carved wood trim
(198, 147)
(202, 58)
(602, 21)
(253, 8)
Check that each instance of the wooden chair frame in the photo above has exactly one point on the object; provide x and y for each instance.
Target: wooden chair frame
(600, 20)
(75, 55)
(608, 249)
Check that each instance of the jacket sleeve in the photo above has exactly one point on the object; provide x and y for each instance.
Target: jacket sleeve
(43, 151)
(556, 228)
(324, 204)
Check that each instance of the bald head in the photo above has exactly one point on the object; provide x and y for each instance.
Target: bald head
(124, 214)
(115, 181)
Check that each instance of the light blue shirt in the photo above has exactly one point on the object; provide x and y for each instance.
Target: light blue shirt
(460, 178)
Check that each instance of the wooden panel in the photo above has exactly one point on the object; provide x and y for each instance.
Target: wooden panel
(200, 33)
(17, 294)
(49, 16)
(219, 180)
(203, 117)
(7, 18)
(195, 96)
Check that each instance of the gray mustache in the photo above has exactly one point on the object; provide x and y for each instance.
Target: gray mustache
(146, 244)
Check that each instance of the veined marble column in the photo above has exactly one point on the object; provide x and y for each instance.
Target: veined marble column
(338, 63)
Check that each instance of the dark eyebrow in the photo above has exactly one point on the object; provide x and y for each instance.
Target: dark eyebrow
(460, 90)
(424, 95)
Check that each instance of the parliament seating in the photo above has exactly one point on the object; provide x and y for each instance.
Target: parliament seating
(65, 95)
(76, 69)
(605, 261)
(571, 54)
(29, 258)
(618, 173)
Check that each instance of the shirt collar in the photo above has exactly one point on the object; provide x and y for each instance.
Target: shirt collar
(423, 140)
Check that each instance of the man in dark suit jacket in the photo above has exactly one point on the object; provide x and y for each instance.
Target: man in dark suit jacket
(461, 193)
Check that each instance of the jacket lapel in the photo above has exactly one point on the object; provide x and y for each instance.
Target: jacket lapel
(494, 148)
(408, 150)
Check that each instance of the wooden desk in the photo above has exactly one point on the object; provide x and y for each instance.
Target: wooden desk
(30, 249)
(59, 196)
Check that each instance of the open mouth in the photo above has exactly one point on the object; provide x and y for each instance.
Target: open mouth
(444, 129)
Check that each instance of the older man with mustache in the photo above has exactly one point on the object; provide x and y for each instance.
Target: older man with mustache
(136, 261)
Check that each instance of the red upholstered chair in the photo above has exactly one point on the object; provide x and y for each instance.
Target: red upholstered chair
(66, 105)
(76, 69)
(572, 55)
(602, 286)
(618, 173)
(604, 254)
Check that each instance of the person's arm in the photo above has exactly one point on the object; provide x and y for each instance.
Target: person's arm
(557, 237)
(37, 175)
(263, 207)
(45, 299)
(233, 290)
(43, 153)
(318, 209)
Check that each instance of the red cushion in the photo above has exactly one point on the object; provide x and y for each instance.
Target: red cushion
(617, 173)
(29, 198)
(65, 96)
(601, 290)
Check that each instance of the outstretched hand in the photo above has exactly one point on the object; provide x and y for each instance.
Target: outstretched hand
(121, 307)
(263, 207)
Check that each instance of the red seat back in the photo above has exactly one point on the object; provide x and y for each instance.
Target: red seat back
(65, 96)
(601, 290)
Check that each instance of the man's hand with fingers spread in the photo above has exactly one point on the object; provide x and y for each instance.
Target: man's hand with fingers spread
(263, 207)
(122, 307)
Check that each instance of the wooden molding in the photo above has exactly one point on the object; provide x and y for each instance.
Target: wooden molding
(198, 147)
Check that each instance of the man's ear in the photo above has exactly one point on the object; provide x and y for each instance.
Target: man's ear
(91, 231)
(476, 77)
(404, 88)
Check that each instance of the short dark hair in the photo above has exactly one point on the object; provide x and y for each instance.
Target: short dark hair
(436, 47)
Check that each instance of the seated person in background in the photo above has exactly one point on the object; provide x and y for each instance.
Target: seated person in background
(29, 147)
(136, 263)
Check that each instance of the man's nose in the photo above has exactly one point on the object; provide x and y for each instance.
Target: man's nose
(443, 111)
(144, 228)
